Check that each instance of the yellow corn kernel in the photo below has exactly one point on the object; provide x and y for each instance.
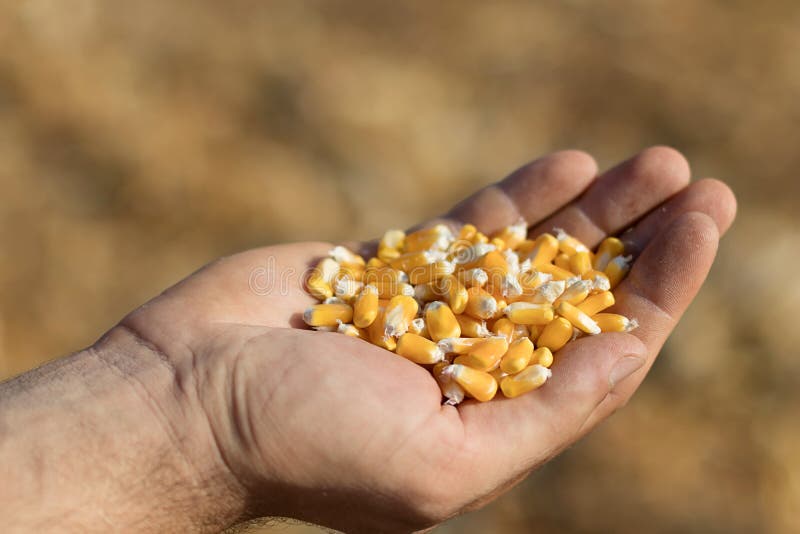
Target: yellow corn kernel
(467, 232)
(425, 274)
(437, 237)
(503, 327)
(418, 349)
(526, 380)
(321, 277)
(459, 345)
(579, 319)
(617, 268)
(556, 334)
(473, 277)
(531, 280)
(485, 356)
(365, 307)
(391, 244)
(400, 311)
(597, 303)
(427, 293)
(529, 313)
(600, 281)
(525, 247)
(352, 271)
(479, 385)
(557, 272)
(387, 290)
(450, 388)
(352, 331)
(562, 261)
(542, 356)
(385, 275)
(535, 331)
(480, 304)
(376, 263)
(518, 356)
(498, 374)
(520, 330)
(409, 260)
(498, 243)
(454, 292)
(346, 258)
(544, 250)
(495, 265)
(513, 235)
(611, 247)
(614, 322)
(510, 287)
(328, 314)
(377, 330)
(568, 244)
(419, 327)
(581, 262)
(575, 293)
(346, 288)
(441, 321)
(472, 327)
(480, 238)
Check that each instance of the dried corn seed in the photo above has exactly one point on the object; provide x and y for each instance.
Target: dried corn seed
(352, 331)
(486, 355)
(418, 349)
(477, 384)
(556, 334)
(410, 260)
(346, 288)
(528, 379)
(611, 247)
(503, 327)
(346, 258)
(600, 281)
(562, 261)
(473, 277)
(596, 303)
(578, 318)
(542, 356)
(548, 292)
(441, 321)
(387, 290)
(529, 313)
(517, 357)
(467, 232)
(581, 262)
(419, 327)
(450, 388)
(575, 293)
(385, 275)
(513, 235)
(617, 268)
(535, 331)
(471, 327)
(328, 315)
(376, 263)
(480, 304)
(377, 330)
(456, 295)
(613, 322)
(459, 345)
(365, 307)
(425, 274)
(568, 244)
(437, 237)
(557, 272)
(400, 311)
(544, 250)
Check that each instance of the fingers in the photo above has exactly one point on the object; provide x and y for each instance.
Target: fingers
(708, 196)
(662, 283)
(596, 374)
(530, 193)
(622, 195)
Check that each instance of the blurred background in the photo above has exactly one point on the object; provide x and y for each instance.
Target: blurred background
(139, 140)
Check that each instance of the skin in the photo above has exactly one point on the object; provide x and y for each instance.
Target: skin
(209, 405)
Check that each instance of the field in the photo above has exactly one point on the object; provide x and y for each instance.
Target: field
(139, 140)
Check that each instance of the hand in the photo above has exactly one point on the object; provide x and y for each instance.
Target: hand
(335, 431)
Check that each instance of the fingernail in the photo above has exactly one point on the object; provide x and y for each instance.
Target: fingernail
(624, 368)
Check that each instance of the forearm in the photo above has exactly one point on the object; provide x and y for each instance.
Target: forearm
(100, 440)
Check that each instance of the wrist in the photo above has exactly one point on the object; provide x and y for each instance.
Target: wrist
(108, 437)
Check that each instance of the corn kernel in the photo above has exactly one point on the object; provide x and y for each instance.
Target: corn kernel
(535, 330)
(441, 321)
(456, 295)
(477, 384)
(467, 232)
(352, 331)
(503, 327)
(425, 274)
(611, 247)
(391, 244)
(480, 304)
(529, 313)
(613, 322)
(617, 268)
(568, 244)
(437, 237)
(410, 260)
(473, 277)
(459, 345)
(486, 355)
(575, 293)
(528, 379)
(385, 275)
(472, 327)
(418, 349)
(597, 303)
(518, 356)
(578, 318)
(346, 288)
(562, 261)
(450, 388)
(365, 307)
(542, 356)
(320, 279)
(557, 272)
(419, 327)
(328, 315)
(544, 250)
(513, 235)
(387, 290)
(581, 262)
(400, 311)
(556, 334)
(346, 258)
(377, 330)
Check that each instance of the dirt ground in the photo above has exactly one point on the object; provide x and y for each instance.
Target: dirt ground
(139, 140)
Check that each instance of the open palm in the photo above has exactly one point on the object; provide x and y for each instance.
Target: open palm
(336, 431)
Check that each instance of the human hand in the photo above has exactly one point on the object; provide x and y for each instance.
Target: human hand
(332, 430)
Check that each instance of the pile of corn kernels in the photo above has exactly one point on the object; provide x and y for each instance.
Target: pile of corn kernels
(482, 312)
